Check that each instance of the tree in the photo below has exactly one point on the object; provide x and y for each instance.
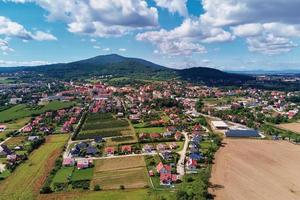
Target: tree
(97, 188)
(199, 105)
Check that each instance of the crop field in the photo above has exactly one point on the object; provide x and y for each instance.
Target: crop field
(22, 110)
(104, 125)
(294, 127)
(14, 141)
(112, 173)
(24, 183)
(256, 169)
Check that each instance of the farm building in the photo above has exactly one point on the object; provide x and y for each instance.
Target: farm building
(242, 133)
(221, 125)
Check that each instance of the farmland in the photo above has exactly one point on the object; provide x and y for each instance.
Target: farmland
(103, 125)
(294, 127)
(256, 169)
(129, 172)
(33, 171)
(22, 110)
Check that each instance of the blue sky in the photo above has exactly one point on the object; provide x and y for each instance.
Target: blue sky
(174, 33)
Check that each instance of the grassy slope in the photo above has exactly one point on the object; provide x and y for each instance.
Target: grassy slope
(21, 110)
(21, 184)
(14, 125)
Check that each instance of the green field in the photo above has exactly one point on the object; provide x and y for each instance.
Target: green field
(104, 125)
(62, 176)
(22, 110)
(24, 183)
(151, 130)
(14, 125)
(5, 80)
(82, 174)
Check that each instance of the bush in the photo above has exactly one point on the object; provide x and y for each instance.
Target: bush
(81, 184)
(97, 188)
(46, 190)
(122, 187)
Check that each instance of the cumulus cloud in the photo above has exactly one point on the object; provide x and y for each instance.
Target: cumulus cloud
(270, 44)
(174, 6)
(4, 47)
(185, 39)
(13, 29)
(100, 18)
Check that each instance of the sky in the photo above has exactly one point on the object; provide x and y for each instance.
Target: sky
(239, 35)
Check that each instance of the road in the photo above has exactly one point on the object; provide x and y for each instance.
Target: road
(182, 153)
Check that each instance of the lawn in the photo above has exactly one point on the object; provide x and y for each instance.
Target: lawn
(82, 174)
(22, 110)
(62, 176)
(26, 180)
(151, 130)
(129, 172)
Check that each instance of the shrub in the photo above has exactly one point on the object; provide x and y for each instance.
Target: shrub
(97, 188)
(122, 187)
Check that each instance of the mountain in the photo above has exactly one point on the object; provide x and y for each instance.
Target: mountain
(117, 65)
(212, 76)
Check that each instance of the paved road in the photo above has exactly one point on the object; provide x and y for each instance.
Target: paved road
(182, 153)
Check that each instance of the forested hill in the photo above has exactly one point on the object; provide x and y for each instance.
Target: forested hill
(117, 65)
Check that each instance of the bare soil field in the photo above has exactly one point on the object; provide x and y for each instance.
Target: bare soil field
(294, 127)
(256, 169)
(112, 173)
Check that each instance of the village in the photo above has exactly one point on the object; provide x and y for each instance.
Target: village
(154, 134)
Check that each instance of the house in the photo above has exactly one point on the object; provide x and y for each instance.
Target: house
(173, 145)
(148, 148)
(4, 150)
(195, 156)
(110, 151)
(161, 147)
(126, 149)
(168, 178)
(155, 135)
(163, 169)
(75, 151)
(68, 162)
(2, 128)
(83, 163)
(171, 128)
(98, 139)
(167, 134)
(33, 138)
(178, 136)
(166, 155)
(151, 173)
(191, 165)
(11, 158)
(27, 128)
(91, 151)
(221, 125)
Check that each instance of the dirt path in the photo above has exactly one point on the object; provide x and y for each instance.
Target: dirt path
(256, 169)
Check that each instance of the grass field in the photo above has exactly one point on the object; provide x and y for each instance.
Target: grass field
(151, 130)
(5, 80)
(256, 169)
(129, 172)
(104, 125)
(62, 176)
(14, 125)
(14, 141)
(294, 127)
(82, 174)
(22, 110)
(24, 183)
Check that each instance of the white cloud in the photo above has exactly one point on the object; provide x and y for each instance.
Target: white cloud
(93, 40)
(4, 47)
(174, 6)
(122, 49)
(270, 44)
(96, 47)
(186, 38)
(5, 63)
(248, 30)
(14, 29)
(106, 49)
(100, 18)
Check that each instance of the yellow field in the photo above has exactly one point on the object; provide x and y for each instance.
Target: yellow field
(294, 127)
(112, 172)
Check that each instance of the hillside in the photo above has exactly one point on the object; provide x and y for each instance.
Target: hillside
(117, 65)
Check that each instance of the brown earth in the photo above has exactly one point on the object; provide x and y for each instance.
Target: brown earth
(294, 127)
(256, 169)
